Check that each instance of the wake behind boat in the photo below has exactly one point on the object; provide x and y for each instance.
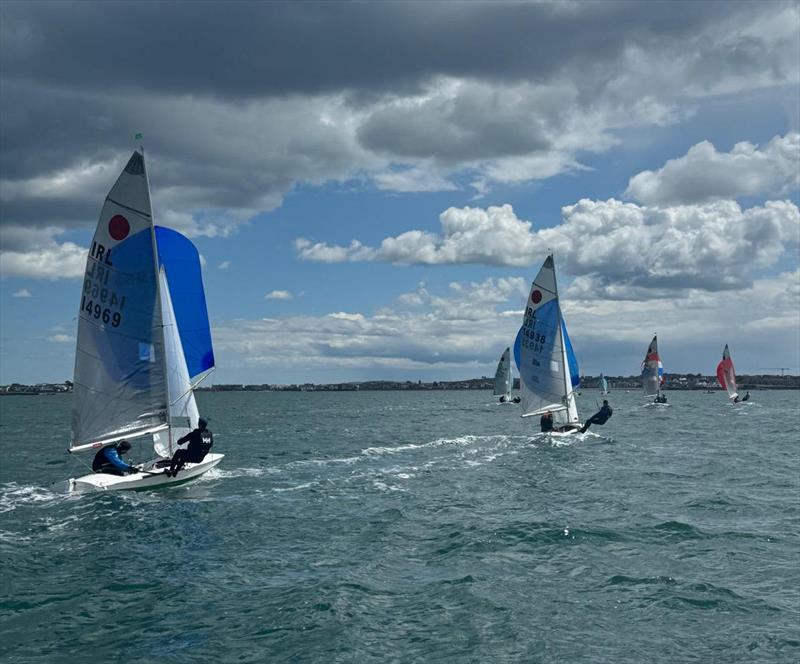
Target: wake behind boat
(548, 368)
(144, 340)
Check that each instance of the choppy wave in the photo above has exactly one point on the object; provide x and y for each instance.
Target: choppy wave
(14, 496)
(426, 527)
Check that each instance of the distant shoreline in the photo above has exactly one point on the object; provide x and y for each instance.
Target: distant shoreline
(674, 382)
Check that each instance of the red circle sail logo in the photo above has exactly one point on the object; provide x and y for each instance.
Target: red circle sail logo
(118, 227)
(536, 296)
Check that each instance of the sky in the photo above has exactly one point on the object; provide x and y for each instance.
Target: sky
(373, 186)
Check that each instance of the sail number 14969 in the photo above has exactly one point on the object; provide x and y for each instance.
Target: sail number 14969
(97, 311)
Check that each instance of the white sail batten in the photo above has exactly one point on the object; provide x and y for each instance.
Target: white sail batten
(120, 387)
(183, 413)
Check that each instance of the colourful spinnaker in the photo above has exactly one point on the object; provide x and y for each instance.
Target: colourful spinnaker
(726, 375)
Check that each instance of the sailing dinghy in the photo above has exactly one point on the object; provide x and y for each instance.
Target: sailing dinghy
(653, 372)
(503, 380)
(603, 384)
(144, 340)
(548, 368)
(726, 375)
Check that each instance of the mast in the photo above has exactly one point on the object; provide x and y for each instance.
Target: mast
(158, 300)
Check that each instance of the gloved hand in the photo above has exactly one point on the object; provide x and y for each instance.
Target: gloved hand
(133, 469)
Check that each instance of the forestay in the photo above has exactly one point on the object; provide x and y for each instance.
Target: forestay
(548, 369)
(726, 375)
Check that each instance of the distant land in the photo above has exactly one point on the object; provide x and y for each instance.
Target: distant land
(673, 382)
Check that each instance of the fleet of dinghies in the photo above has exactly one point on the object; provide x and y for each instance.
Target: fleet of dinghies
(144, 339)
(144, 344)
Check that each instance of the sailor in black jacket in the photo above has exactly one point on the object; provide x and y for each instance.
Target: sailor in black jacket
(200, 442)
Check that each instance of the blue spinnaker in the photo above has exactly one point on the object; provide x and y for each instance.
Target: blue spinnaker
(518, 347)
(182, 264)
(574, 369)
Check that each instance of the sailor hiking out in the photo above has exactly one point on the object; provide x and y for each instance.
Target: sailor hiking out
(600, 417)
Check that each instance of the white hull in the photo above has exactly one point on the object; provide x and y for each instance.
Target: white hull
(144, 480)
(568, 432)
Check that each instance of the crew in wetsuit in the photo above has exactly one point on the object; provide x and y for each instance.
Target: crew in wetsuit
(600, 417)
(200, 442)
(746, 396)
(546, 422)
(108, 460)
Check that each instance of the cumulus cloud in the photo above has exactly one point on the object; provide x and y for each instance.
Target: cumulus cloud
(412, 179)
(460, 331)
(620, 248)
(704, 174)
(226, 142)
(454, 330)
(224, 265)
(24, 292)
(494, 236)
(54, 261)
(61, 338)
(279, 295)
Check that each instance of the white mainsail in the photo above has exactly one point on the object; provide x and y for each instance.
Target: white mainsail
(119, 383)
(547, 366)
(603, 384)
(503, 380)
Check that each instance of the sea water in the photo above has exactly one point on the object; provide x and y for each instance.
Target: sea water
(414, 527)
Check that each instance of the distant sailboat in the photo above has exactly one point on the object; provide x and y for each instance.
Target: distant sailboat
(653, 372)
(603, 384)
(548, 369)
(726, 374)
(144, 340)
(503, 380)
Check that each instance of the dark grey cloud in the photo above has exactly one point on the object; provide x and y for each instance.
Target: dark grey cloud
(253, 49)
(239, 101)
(472, 124)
